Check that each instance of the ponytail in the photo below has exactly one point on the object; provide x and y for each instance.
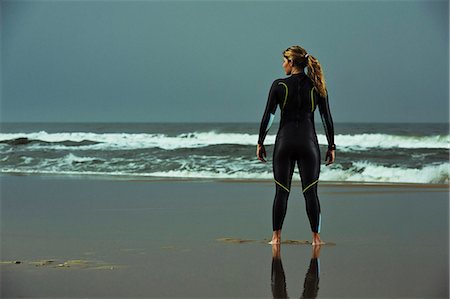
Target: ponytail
(315, 73)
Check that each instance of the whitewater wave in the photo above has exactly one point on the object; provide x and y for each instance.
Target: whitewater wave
(127, 141)
(364, 141)
(361, 171)
(364, 171)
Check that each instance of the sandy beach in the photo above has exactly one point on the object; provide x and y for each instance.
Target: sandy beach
(84, 237)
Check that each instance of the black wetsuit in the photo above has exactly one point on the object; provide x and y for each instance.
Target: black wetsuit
(296, 142)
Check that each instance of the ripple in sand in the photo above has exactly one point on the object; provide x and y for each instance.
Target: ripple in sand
(290, 242)
(68, 264)
(88, 264)
(265, 241)
(296, 242)
(168, 247)
(302, 242)
(140, 251)
(236, 240)
(10, 262)
(176, 248)
(75, 264)
(42, 263)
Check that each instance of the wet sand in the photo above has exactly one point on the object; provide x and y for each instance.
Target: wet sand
(78, 238)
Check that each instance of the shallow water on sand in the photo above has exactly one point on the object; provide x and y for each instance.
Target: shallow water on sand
(166, 239)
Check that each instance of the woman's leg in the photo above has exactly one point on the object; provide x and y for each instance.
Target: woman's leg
(309, 166)
(283, 168)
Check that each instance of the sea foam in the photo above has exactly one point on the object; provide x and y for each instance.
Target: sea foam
(111, 141)
(361, 171)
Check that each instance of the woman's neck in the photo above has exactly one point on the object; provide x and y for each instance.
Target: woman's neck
(296, 71)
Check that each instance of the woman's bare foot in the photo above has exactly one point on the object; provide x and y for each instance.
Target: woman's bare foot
(276, 250)
(315, 252)
(276, 237)
(316, 240)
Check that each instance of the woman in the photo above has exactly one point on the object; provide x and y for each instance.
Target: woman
(296, 141)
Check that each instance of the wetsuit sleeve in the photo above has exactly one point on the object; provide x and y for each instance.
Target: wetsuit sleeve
(269, 113)
(327, 120)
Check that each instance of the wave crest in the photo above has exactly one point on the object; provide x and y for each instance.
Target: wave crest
(111, 141)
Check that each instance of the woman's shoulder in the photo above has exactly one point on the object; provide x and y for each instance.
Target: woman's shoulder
(275, 83)
(280, 81)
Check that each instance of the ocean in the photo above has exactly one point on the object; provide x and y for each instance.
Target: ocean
(368, 153)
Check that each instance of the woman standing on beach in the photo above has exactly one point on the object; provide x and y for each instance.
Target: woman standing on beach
(296, 141)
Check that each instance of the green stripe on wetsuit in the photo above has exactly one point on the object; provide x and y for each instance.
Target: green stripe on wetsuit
(281, 185)
(286, 95)
(304, 190)
(309, 186)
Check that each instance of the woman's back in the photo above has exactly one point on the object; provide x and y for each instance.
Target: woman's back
(297, 99)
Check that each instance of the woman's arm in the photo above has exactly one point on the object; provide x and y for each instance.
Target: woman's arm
(269, 113)
(267, 119)
(327, 120)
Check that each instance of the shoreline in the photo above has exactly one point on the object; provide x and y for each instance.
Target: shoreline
(296, 182)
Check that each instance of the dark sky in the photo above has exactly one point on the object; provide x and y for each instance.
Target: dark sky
(208, 61)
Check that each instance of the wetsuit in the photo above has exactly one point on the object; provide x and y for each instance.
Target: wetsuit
(296, 142)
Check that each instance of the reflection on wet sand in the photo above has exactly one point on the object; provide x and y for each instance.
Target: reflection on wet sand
(278, 278)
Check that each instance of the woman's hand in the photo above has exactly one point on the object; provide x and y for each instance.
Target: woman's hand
(261, 153)
(329, 157)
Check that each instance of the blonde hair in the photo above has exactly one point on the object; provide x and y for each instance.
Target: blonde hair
(297, 54)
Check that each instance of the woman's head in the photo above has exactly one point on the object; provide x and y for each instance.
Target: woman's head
(295, 57)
